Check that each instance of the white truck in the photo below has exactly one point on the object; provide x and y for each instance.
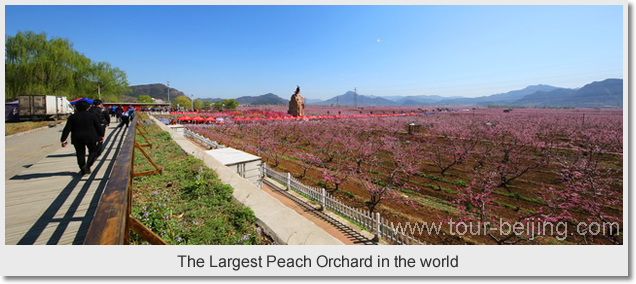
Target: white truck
(41, 107)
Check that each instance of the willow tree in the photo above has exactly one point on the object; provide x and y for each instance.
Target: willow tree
(105, 80)
(35, 65)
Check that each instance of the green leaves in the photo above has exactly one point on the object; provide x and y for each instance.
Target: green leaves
(228, 104)
(145, 99)
(39, 66)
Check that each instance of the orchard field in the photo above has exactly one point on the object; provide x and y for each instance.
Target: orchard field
(483, 176)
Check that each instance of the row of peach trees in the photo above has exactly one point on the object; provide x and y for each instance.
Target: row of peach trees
(491, 150)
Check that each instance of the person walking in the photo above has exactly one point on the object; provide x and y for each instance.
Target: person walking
(104, 119)
(118, 112)
(86, 131)
(127, 116)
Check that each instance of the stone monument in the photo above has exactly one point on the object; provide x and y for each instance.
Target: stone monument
(296, 104)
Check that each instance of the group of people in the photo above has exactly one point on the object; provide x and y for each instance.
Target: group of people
(87, 127)
(121, 114)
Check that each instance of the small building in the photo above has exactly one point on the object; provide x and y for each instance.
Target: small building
(178, 128)
(245, 164)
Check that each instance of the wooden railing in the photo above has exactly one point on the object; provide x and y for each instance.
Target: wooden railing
(113, 221)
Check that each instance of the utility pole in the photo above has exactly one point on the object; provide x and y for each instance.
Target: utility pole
(355, 97)
(168, 91)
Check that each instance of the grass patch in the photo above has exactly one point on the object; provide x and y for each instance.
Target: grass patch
(433, 177)
(521, 197)
(438, 188)
(448, 190)
(459, 182)
(349, 194)
(506, 205)
(17, 127)
(187, 204)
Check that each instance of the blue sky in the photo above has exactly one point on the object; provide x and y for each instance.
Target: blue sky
(232, 51)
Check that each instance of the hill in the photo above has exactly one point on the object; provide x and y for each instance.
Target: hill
(266, 99)
(157, 91)
(348, 99)
(606, 93)
(496, 99)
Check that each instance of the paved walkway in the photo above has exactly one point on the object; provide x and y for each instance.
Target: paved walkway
(47, 201)
(24, 149)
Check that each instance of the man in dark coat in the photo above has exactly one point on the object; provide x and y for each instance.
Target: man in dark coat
(104, 119)
(86, 131)
(118, 112)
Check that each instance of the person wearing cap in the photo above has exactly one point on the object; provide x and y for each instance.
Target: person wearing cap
(104, 119)
(86, 131)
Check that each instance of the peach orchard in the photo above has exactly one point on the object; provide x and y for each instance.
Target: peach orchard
(476, 166)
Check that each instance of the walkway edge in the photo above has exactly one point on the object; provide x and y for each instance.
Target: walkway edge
(283, 224)
(30, 131)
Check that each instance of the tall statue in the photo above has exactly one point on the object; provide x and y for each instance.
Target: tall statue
(296, 104)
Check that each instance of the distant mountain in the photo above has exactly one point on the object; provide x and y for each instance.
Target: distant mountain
(312, 101)
(266, 99)
(157, 91)
(606, 93)
(347, 99)
(416, 100)
(496, 99)
(515, 95)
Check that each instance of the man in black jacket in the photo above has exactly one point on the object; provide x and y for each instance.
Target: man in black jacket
(86, 131)
(104, 119)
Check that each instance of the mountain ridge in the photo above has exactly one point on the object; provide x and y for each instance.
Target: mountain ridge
(604, 93)
(266, 99)
(156, 90)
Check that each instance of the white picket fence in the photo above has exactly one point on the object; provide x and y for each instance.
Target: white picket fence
(363, 218)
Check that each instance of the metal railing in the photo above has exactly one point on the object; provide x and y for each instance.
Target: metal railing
(202, 140)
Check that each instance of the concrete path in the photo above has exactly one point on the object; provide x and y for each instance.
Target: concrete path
(47, 201)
